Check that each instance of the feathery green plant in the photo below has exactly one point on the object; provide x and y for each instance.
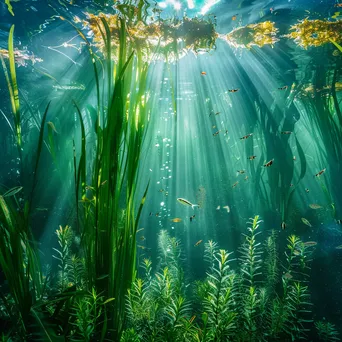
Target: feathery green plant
(327, 331)
(219, 299)
(65, 236)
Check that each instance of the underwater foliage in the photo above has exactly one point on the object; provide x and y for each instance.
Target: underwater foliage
(241, 305)
(257, 295)
(253, 34)
(327, 331)
(315, 32)
(159, 39)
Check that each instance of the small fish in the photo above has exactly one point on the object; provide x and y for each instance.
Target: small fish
(246, 178)
(142, 247)
(320, 173)
(233, 90)
(306, 222)
(241, 172)
(176, 219)
(269, 163)
(187, 203)
(203, 73)
(216, 133)
(218, 207)
(283, 88)
(271, 9)
(283, 225)
(213, 126)
(227, 208)
(151, 213)
(226, 132)
(339, 221)
(142, 238)
(338, 5)
(234, 17)
(217, 113)
(52, 126)
(251, 157)
(246, 136)
(161, 190)
(42, 209)
(294, 158)
(307, 190)
(336, 53)
(286, 132)
(315, 206)
(297, 252)
(338, 247)
(235, 184)
(310, 243)
(287, 275)
(157, 214)
(291, 185)
(192, 218)
(198, 243)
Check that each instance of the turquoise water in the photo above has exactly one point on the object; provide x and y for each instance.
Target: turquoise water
(245, 123)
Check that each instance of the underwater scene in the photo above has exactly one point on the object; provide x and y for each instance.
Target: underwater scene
(170, 170)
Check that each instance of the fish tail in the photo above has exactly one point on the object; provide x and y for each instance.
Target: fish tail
(194, 205)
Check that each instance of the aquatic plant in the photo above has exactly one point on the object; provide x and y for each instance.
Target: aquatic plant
(327, 331)
(242, 305)
(9, 6)
(316, 32)
(253, 34)
(158, 39)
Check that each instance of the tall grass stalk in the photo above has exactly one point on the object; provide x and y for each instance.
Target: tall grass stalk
(110, 217)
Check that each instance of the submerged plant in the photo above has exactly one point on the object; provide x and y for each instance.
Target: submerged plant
(327, 331)
(65, 237)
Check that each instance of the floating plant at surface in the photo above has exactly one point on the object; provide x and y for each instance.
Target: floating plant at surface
(161, 39)
(253, 34)
(315, 32)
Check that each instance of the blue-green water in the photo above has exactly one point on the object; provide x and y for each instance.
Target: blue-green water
(237, 130)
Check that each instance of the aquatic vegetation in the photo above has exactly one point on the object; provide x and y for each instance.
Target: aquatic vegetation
(253, 34)
(243, 304)
(327, 331)
(9, 6)
(160, 39)
(316, 32)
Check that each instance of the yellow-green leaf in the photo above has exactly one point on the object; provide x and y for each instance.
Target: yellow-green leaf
(9, 6)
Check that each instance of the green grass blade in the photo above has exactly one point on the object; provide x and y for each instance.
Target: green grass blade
(336, 44)
(9, 7)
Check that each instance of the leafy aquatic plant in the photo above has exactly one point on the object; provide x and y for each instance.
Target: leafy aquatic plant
(65, 236)
(242, 305)
(327, 331)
